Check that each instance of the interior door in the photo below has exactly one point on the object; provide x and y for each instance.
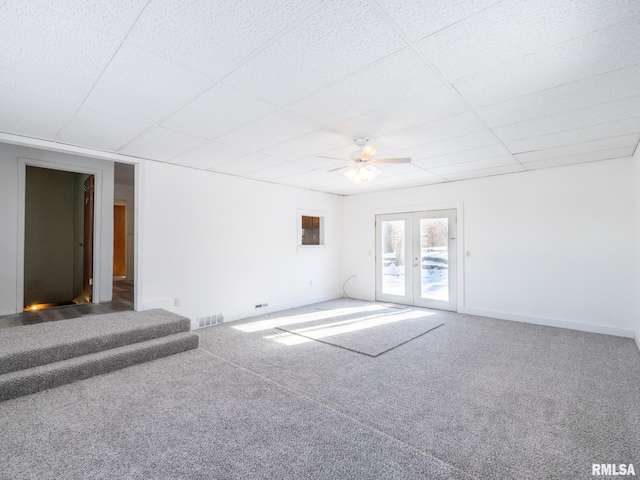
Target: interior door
(416, 259)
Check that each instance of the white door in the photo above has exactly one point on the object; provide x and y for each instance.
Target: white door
(416, 259)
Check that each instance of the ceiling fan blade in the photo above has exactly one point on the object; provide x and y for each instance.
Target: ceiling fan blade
(339, 168)
(367, 152)
(335, 158)
(392, 160)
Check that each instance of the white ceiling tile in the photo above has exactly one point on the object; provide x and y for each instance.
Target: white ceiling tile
(453, 126)
(420, 18)
(577, 135)
(162, 144)
(112, 16)
(278, 171)
(217, 111)
(30, 115)
(581, 158)
(434, 104)
(462, 143)
(210, 154)
(214, 37)
(510, 30)
(304, 178)
(463, 156)
(417, 177)
(267, 131)
(308, 145)
(383, 82)
(104, 131)
(47, 54)
(324, 48)
(487, 172)
(580, 148)
(602, 51)
(582, 117)
(603, 88)
(447, 170)
(249, 163)
(142, 86)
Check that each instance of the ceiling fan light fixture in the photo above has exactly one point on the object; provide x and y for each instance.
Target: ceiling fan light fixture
(360, 174)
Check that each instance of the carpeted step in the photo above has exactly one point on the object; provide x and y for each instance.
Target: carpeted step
(42, 377)
(33, 345)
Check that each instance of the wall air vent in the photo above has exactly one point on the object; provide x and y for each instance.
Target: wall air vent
(210, 320)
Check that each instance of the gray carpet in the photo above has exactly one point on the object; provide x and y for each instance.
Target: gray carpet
(476, 397)
(195, 416)
(371, 329)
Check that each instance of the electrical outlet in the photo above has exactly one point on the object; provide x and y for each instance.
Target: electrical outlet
(177, 302)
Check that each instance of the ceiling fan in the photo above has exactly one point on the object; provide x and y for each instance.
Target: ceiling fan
(361, 163)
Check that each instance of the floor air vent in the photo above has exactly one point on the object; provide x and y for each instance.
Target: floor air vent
(210, 320)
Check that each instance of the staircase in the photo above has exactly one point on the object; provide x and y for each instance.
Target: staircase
(47, 355)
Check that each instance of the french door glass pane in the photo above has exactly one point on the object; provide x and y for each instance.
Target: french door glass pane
(434, 258)
(393, 249)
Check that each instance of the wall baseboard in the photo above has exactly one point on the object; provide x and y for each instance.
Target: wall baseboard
(231, 317)
(553, 322)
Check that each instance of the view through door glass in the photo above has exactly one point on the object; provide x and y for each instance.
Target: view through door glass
(393, 250)
(434, 258)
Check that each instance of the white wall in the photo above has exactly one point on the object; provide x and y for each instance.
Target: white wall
(636, 223)
(550, 246)
(9, 248)
(222, 244)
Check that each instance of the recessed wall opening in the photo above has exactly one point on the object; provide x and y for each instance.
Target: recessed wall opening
(312, 228)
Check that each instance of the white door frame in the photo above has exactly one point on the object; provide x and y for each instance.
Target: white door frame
(459, 244)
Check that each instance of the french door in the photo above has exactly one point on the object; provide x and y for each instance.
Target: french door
(416, 259)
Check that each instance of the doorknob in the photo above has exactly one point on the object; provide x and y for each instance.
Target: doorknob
(82, 244)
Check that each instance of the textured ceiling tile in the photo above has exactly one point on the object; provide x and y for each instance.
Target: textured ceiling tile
(420, 18)
(487, 172)
(580, 148)
(322, 49)
(311, 144)
(112, 16)
(578, 135)
(214, 36)
(581, 158)
(278, 171)
(383, 82)
(47, 54)
(513, 29)
(463, 156)
(30, 115)
(210, 154)
(249, 163)
(608, 87)
(162, 144)
(471, 141)
(218, 111)
(267, 131)
(142, 86)
(582, 117)
(606, 50)
(439, 102)
(493, 162)
(94, 129)
(453, 126)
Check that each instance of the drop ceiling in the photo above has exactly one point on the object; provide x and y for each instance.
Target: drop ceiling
(262, 88)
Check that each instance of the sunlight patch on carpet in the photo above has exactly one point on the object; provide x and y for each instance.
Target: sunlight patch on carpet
(370, 333)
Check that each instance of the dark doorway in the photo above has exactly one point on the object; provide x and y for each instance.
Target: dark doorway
(58, 238)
